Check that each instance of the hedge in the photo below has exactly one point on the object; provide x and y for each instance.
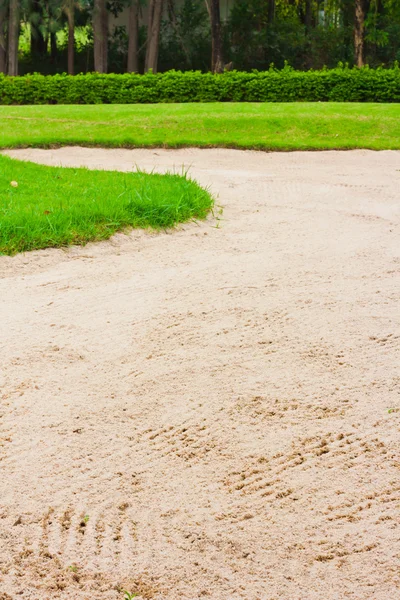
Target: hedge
(335, 85)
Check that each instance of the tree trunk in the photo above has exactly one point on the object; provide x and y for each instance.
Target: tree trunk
(53, 47)
(3, 43)
(100, 36)
(150, 19)
(38, 42)
(71, 40)
(271, 11)
(308, 15)
(359, 30)
(133, 36)
(13, 38)
(153, 35)
(217, 62)
(104, 24)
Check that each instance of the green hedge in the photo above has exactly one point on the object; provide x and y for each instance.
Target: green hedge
(336, 85)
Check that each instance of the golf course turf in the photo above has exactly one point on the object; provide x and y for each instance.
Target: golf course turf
(263, 126)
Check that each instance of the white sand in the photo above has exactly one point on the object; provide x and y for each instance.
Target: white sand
(214, 400)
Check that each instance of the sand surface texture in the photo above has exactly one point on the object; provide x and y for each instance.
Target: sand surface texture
(205, 413)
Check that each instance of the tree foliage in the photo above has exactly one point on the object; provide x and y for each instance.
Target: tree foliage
(56, 36)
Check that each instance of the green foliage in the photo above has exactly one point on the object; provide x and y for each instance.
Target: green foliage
(185, 41)
(255, 39)
(43, 207)
(305, 33)
(336, 85)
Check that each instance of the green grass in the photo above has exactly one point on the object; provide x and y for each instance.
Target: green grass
(54, 207)
(57, 207)
(293, 126)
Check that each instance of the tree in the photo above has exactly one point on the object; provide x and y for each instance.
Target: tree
(359, 32)
(271, 11)
(13, 37)
(69, 11)
(53, 46)
(217, 62)
(133, 38)
(3, 41)
(100, 35)
(308, 15)
(153, 35)
(104, 28)
(38, 26)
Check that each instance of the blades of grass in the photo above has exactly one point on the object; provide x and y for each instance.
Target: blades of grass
(57, 207)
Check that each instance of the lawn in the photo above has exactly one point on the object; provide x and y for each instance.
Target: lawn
(56, 207)
(43, 207)
(294, 126)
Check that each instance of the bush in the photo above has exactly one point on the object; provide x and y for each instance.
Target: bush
(335, 85)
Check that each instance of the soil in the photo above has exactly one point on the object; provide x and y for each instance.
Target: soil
(211, 412)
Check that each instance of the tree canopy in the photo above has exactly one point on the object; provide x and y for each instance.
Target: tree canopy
(55, 36)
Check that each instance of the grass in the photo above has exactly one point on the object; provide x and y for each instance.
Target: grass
(52, 207)
(294, 126)
(58, 207)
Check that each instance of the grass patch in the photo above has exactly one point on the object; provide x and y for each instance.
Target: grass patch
(57, 207)
(52, 207)
(264, 126)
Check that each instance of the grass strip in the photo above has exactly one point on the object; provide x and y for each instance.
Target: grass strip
(43, 207)
(262, 126)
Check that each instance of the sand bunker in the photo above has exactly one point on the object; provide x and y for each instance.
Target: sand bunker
(205, 413)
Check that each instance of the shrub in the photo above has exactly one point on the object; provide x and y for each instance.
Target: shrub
(335, 85)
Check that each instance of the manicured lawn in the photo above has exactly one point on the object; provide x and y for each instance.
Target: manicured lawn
(53, 207)
(294, 126)
(56, 207)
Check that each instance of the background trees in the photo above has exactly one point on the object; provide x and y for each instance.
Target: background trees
(100, 36)
(359, 32)
(217, 63)
(13, 36)
(3, 42)
(155, 8)
(52, 36)
(133, 38)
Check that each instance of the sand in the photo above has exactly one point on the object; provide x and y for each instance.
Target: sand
(205, 413)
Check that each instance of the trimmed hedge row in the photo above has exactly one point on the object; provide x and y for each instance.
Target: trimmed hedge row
(287, 85)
